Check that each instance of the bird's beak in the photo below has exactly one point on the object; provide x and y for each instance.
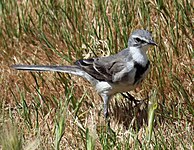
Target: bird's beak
(151, 42)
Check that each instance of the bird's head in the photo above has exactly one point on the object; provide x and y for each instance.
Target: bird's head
(141, 39)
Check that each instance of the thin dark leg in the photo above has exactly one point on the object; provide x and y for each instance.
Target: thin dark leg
(106, 99)
(130, 97)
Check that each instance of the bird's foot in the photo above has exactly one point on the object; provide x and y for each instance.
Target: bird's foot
(131, 98)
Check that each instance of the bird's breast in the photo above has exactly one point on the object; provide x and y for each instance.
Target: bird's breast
(128, 82)
(141, 72)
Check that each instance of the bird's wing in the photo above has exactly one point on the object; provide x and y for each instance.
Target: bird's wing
(96, 70)
(110, 68)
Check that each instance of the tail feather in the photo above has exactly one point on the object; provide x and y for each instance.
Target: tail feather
(75, 70)
(66, 69)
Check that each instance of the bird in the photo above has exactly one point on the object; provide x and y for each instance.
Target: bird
(109, 75)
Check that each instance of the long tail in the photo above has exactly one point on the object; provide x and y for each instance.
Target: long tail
(75, 70)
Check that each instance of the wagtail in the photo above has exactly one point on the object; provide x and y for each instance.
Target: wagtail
(117, 73)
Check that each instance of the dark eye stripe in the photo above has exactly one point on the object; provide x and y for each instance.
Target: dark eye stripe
(139, 40)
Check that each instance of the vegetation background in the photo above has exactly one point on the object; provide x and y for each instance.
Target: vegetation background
(60, 111)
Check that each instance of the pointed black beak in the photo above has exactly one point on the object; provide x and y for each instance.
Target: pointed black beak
(151, 42)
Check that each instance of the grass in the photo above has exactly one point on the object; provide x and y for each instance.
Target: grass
(59, 111)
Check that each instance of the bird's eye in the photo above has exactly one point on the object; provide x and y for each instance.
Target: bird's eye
(138, 40)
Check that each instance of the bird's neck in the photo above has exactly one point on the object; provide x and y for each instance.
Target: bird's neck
(138, 55)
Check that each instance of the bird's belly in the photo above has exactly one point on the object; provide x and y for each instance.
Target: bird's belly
(113, 88)
(127, 84)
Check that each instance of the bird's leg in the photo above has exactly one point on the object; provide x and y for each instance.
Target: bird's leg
(106, 104)
(106, 99)
(130, 97)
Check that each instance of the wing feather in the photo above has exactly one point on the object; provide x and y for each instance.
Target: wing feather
(110, 68)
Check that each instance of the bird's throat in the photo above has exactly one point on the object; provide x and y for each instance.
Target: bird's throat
(139, 55)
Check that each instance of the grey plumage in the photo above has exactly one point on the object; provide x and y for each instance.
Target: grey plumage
(121, 72)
